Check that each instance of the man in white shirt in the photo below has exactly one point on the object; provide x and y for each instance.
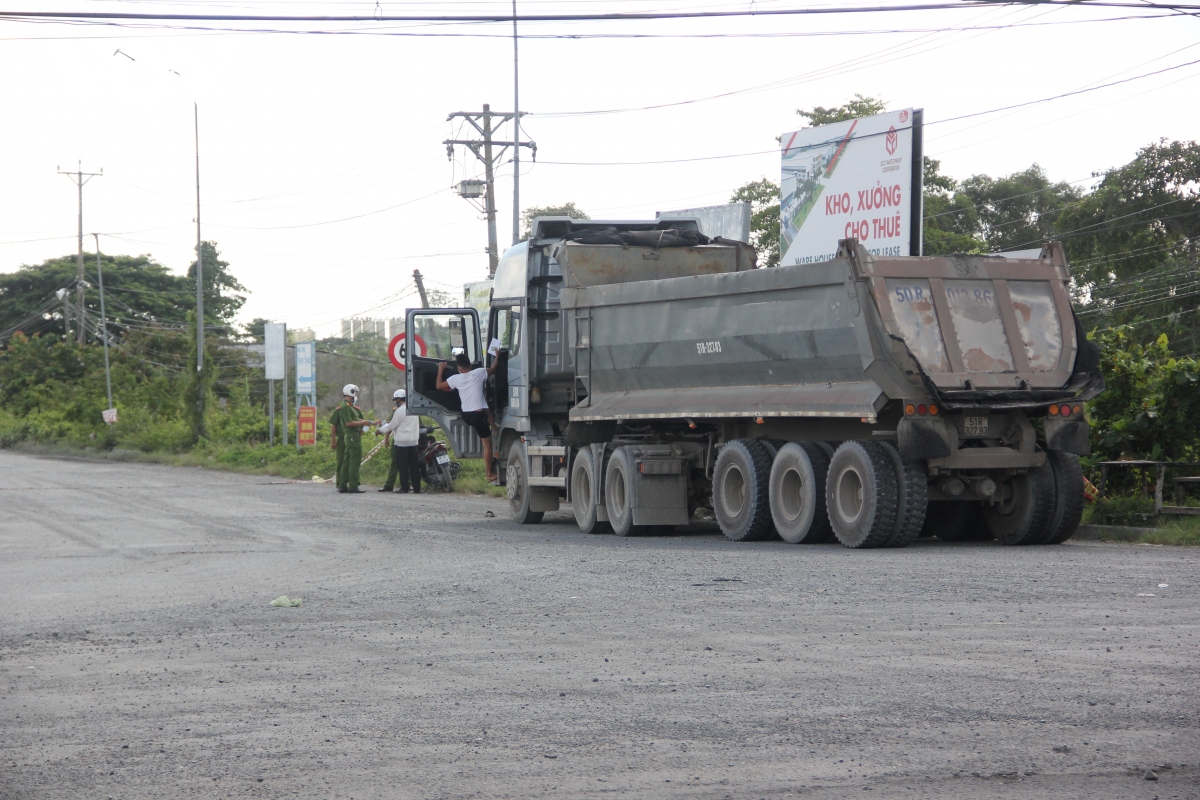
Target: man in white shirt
(403, 429)
(469, 385)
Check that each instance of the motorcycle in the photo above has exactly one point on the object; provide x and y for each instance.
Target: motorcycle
(437, 468)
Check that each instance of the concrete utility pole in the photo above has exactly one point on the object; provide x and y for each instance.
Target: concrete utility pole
(420, 288)
(103, 321)
(79, 178)
(517, 136)
(199, 255)
(489, 151)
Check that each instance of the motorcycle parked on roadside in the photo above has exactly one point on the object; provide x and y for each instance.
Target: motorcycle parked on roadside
(437, 468)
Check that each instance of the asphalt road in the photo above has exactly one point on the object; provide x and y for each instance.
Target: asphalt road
(442, 653)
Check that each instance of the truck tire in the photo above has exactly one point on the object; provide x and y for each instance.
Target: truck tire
(741, 490)
(1026, 516)
(912, 485)
(1068, 497)
(583, 502)
(861, 494)
(618, 495)
(518, 487)
(797, 494)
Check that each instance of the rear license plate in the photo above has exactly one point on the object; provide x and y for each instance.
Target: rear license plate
(446, 459)
(975, 426)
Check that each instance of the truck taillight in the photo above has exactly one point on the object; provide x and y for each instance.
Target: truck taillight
(1054, 411)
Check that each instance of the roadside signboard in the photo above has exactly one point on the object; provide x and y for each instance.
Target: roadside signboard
(110, 416)
(397, 349)
(856, 179)
(478, 295)
(306, 368)
(275, 350)
(306, 426)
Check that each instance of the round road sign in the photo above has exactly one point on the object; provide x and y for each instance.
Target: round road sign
(398, 346)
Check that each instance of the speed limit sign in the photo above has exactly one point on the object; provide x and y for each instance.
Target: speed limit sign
(397, 349)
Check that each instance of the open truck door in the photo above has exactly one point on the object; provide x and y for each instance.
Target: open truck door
(437, 335)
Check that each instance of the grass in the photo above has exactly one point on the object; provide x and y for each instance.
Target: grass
(261, 459)
(1178, 531)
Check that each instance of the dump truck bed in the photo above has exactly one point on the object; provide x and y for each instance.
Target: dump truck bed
(837, 339)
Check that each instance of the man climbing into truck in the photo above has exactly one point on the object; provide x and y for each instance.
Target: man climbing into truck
(469, 385)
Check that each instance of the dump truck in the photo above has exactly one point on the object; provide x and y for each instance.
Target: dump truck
(646, 373)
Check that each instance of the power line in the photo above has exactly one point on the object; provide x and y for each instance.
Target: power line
(611, 16)
(927, 124)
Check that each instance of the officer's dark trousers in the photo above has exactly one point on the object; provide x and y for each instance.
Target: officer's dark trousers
(404, 464)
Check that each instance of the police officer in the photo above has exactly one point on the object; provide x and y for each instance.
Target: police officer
(346, 426)
(404, 430)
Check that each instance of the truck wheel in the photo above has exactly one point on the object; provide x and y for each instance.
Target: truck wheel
(1025, 516)
(1068, 497)
(618, 494)
(860, 493)
(741, 490)
(797, 492)
(518, 489)
(583, 502)
(912, 484)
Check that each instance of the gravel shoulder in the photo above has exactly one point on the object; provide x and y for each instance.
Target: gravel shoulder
(443, 653)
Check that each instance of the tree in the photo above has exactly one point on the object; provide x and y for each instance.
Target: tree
(1133, 245)
(858, 107)
(255, 330)
(138, 291)
(222, 291)
(565, 210)
(763, 197)
(950, 220)
(1017, 211)
(136, 287)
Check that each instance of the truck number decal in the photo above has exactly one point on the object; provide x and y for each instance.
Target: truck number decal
(983, 296)
(704, 348)
(910, 294)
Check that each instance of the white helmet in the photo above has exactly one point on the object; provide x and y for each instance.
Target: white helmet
(398, 394)
(350, 389)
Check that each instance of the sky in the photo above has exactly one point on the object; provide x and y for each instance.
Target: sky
(325, 183)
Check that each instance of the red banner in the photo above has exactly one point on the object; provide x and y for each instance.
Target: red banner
(306, 426)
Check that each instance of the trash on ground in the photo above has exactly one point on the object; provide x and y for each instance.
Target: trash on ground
(1144, 594)
(283, 601)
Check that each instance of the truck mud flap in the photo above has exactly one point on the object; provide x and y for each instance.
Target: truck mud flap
(1068, 436)
(922, 439)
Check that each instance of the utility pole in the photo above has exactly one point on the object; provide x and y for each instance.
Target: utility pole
(79, 178)
(517, 136)
(420, 288)
(489, 151)
(199, 257)
(103, 322)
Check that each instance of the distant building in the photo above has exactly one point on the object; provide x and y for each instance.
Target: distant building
(358, 327)
(395, 326)
(301, 335)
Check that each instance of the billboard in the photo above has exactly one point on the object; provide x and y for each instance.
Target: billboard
(275, 350)
(306, 368)
(855, 179)
(478, 295)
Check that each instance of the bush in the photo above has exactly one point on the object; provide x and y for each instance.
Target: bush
(1132, 511)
